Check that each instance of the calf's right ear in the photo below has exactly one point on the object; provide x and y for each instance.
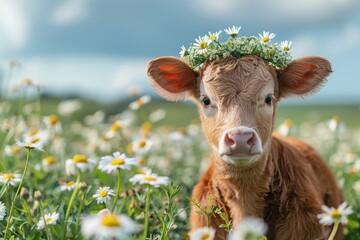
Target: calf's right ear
(172, 78)
(304, 76)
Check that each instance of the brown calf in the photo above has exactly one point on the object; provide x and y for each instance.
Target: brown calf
(252, 172)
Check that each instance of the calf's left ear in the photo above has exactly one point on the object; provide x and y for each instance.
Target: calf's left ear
(303, 76)
(172, 78)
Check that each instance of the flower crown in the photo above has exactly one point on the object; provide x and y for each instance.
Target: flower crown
(210, 47)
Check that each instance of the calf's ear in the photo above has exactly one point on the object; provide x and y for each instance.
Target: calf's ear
(172, 78)
(303, 76)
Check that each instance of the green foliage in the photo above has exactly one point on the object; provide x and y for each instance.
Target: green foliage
(177, 150)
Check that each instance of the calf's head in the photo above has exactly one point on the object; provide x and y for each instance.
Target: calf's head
(237, 97)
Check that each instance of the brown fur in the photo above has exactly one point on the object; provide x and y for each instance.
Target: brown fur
(289, 181)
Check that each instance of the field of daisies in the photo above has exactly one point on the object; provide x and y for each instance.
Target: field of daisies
(127, 175)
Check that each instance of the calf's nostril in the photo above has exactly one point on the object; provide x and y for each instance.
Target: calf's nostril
(228, 140)
(252, 140)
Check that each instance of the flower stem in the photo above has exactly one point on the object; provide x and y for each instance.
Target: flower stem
(72, 199)
(45, 224)
(147, 206)
(117, 191)
(17, 192)
(334, 230)
(82, 202)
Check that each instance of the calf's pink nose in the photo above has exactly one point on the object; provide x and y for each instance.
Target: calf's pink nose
(240, 140)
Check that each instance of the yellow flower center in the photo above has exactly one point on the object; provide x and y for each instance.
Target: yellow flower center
(110, 221)
(336, 119)
(50, 160)
(142, 143)
(213, 37)
(15, 150)
(49, 220)
(335, 214)
(205, 236)
(34, 140)
(69, 184)
(116, 126)
(203, 45)
(8, 176)
(147, 126)
(103, 193)
(139, 102)
(53, 119)
(78, 158)
(150, 178)
(286, 48)
(288, 123)
(130, 148)
(118, 161)
(27, 81)
(32, 132)
(141, 161)
(265, 39)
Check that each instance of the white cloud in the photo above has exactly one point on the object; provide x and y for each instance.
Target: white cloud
(275, 10)
(96, 77)
(13, 24)
(329, 43)
(344, 41)
(69, 12)
(129, 74)
(303, 45)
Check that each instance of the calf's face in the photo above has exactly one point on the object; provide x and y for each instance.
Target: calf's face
(236, 101)
(237, 98)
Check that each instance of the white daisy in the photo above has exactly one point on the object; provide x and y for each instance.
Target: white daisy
(183, 52)
(103, 194)
(286, 45)
(266, 36)
(335, 124)
(79, 162)
(157, 115)
(10, 178)
(117, 161)
(286, 127)
(201, 44)
(69, 186)
(115, 128)
(53, 122)
(2, 211)
(205, 233)
(214, 36)
(140, 102)
(12, 150)
(141, 145)
(150, 178)
(68, 107)
(31, 144)
(233, 32)
(251, 228)
(332, 215)
(49, 163)
(108, 226)
(49, 219)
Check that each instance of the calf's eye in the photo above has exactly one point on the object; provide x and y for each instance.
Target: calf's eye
(268, 100)
(206, 101)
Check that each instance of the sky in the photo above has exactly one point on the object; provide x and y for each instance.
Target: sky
(100, 49)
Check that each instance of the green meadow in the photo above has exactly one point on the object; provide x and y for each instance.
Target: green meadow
(161, 136)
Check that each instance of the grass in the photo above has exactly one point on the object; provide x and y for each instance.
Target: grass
(177, 151)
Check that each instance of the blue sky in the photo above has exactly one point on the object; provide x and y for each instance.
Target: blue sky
(100, 49)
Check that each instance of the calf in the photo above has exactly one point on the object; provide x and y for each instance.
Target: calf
(252, 172)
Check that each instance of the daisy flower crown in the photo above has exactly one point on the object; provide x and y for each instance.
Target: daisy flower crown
(210, 47)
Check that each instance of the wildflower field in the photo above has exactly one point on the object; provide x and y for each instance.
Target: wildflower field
(71, 169)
